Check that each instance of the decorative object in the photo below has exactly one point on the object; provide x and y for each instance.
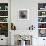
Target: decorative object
(41, 6)
(41, 19)
(0, 7)
(23, 40)
(6, 7)
(42, 25)
(23, 14)
(3, 13)
(22, 43)
(31, 27)
(43, 13)
(4, 29)
(3, 6)
(42, 32)
(13, 27)
(3, 19)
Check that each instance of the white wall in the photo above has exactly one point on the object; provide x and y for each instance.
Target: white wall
(32, 5)
(24, 4)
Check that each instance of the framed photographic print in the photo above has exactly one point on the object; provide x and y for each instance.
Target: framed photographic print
(23, 14)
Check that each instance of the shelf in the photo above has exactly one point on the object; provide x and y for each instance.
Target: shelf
(41, 10)
(3, 10)
(3, 16)
(42, 16)
(3, 22)
(41, 28)
(41, 22)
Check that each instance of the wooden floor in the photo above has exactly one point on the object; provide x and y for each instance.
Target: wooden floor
(3, 45)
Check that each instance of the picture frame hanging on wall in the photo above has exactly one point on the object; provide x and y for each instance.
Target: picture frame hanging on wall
(23, 14)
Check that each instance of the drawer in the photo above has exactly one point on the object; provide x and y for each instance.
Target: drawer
(3, 41)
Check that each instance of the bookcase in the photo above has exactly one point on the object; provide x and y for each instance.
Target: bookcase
(42, 19)
(4, 19)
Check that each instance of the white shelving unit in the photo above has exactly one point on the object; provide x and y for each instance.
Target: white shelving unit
(42, 18)
(4, 23)
(4, 16)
